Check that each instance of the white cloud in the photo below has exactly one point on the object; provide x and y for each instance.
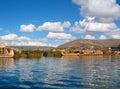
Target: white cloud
(89, 25)
(15, 40)
(35, 43)
(23, 38)
(79, 2)
(99, 18)
(14, 37)
(27, 28)
(53, 26)
(89, 37)
(66, 24)
(115, 36)
(103, 10)
(113, 32)
(60, 36)
(43, 40)
(102, 37)
(24, 43)
(9, 37)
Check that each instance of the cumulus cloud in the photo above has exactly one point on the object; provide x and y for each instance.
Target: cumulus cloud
(89, 25)
(66, 24)
(102, 37)
(103, 10)
(24, 43)
(99, 17)
(15, 40)
(89, 37)
(53, 26)
(27, 28)
(9, 37)
(115, 36)
(79, 2)
(60, 36)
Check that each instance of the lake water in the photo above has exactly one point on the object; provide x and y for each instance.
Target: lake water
(60, 73)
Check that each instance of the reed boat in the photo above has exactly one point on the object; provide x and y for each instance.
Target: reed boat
(4, 53)
(70, 54)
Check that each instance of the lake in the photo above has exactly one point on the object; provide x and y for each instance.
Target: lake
(87, 72)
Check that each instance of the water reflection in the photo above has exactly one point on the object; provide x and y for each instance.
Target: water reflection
(96, 71)
(100, 72)
(85, 72)
(6, 62)
(69, 57)
(25, 68)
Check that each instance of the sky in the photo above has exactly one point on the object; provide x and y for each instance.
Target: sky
(55, 22)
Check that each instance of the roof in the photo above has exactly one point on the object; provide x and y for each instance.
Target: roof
(2, 46)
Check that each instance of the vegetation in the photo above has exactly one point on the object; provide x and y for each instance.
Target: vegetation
(52, 53)
(36, 54)
(17, 54)
(31, 54)
(28, 54)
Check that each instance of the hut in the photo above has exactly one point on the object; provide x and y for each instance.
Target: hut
(4, 51)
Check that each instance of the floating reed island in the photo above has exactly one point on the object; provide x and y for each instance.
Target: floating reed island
(75, 48)
(6, 53)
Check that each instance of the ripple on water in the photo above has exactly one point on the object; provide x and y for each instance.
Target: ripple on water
(56, 73)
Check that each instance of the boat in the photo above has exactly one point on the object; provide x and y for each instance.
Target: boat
(4, 53)
(69, 54)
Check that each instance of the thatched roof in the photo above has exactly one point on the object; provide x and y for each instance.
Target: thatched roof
(2, 46)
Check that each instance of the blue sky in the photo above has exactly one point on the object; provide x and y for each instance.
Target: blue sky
(54, 22)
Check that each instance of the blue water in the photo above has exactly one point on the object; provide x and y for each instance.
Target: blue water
(60, 73)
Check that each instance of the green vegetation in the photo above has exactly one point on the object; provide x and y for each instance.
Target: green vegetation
(48, 53)
(36, 54)
(17, 54)
(28, 54)
(112, 53)
(31, 54)
(52, 53)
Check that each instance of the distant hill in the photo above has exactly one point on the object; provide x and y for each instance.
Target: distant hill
(78, 44)
(32, 47)
(86, 43)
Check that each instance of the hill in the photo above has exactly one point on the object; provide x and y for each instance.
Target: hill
(86, 43)
(32, 47)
